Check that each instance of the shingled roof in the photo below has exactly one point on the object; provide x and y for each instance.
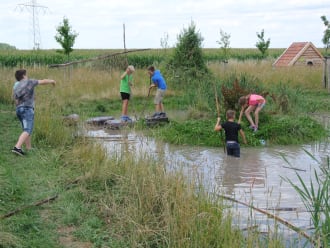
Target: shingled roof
(302, 53)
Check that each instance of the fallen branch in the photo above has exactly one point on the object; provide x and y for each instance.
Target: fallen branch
(96, 58)
(38, 203)
(273, 216)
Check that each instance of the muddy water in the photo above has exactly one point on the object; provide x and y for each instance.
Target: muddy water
(256, 178)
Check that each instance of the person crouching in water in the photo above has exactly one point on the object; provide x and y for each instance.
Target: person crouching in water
(232, 129)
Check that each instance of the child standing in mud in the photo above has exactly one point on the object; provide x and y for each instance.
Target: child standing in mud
(232, 129)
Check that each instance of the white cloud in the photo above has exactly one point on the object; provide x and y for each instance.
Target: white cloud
(100, 22)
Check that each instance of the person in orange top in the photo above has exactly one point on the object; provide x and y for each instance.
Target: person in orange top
(250, 103)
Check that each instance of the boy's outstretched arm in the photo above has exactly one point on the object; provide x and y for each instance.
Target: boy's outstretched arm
(47, 81)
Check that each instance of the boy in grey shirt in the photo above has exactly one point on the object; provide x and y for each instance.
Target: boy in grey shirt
(23, 94)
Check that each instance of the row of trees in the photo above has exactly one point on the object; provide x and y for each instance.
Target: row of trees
(263, 44)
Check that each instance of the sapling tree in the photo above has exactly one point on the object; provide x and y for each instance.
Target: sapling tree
(66, 36)
(326, 35)
(224, 43)
(164, 41)
(188, 55)
(262, 44)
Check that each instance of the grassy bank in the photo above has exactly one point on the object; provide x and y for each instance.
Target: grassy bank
(105, 201)
(101, 201)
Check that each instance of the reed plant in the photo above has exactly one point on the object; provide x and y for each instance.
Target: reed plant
(144, 204)
(315, 196)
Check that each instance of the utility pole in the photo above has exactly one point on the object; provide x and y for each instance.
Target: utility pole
(34, 9)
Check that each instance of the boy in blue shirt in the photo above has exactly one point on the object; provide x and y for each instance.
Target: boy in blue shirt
(157, 80)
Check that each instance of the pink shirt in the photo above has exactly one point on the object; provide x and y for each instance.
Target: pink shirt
(254, 100)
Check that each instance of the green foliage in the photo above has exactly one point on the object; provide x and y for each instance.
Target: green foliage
(262, 45)
(65, 36)
(197, 132)
(276, 130)
(234, 88)
(286, 129)
(315, 197)
(326, 35)
(224, 43)
(24, 58)
(188, 56)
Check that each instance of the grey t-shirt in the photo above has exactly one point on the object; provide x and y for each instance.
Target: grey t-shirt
(24, 92)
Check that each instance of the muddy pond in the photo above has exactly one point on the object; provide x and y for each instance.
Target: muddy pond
(256, 178)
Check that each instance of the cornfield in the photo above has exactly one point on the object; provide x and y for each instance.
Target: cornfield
(26, 58)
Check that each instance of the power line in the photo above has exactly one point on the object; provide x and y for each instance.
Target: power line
(34, 9)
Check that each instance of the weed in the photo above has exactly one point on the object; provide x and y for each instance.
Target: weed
(315, 197)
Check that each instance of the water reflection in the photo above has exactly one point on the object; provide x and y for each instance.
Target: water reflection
(256, 178)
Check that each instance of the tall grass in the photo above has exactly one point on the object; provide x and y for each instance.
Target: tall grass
(315, 197)
(137, 203)
(144, 205)
(269, 76)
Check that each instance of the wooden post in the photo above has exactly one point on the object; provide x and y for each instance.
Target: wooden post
(326, 73)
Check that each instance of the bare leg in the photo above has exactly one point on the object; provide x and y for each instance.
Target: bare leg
(161, 107)
(23, 139)
(124, 107)
(256, 115)
(158, 107)
(248, 114)
(28, 143)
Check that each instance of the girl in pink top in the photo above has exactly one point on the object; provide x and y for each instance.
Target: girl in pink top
(251, 102)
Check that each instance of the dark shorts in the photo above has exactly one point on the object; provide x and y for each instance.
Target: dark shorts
(233, 149)
(26, 117)
(124, 96)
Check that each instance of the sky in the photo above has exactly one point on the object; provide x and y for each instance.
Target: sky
(99, 23)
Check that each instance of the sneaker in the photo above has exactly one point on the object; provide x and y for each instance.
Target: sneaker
(18, 151)
(128, 119)
(124, 117)
(162, 114)
(156, 114)
(255, 129)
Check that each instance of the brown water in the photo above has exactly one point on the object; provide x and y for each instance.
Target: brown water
(255, 178)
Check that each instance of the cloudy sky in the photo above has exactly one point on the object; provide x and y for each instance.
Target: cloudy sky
(100, 22)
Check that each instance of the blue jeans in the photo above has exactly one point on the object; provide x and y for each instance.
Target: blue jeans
(26, 117)
(233, 149)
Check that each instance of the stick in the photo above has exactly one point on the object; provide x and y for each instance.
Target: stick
(217, 100)
(218, 111)
(275, 217)
(38, 203)
(96, 58)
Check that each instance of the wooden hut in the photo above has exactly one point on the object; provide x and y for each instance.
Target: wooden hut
(300, 53)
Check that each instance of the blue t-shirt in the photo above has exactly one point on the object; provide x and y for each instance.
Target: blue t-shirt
(158, 80)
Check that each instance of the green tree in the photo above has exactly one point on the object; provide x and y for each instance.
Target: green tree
(326, 36)
(65, 36)
(188, 55)
(262, 45)
(224, 43)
